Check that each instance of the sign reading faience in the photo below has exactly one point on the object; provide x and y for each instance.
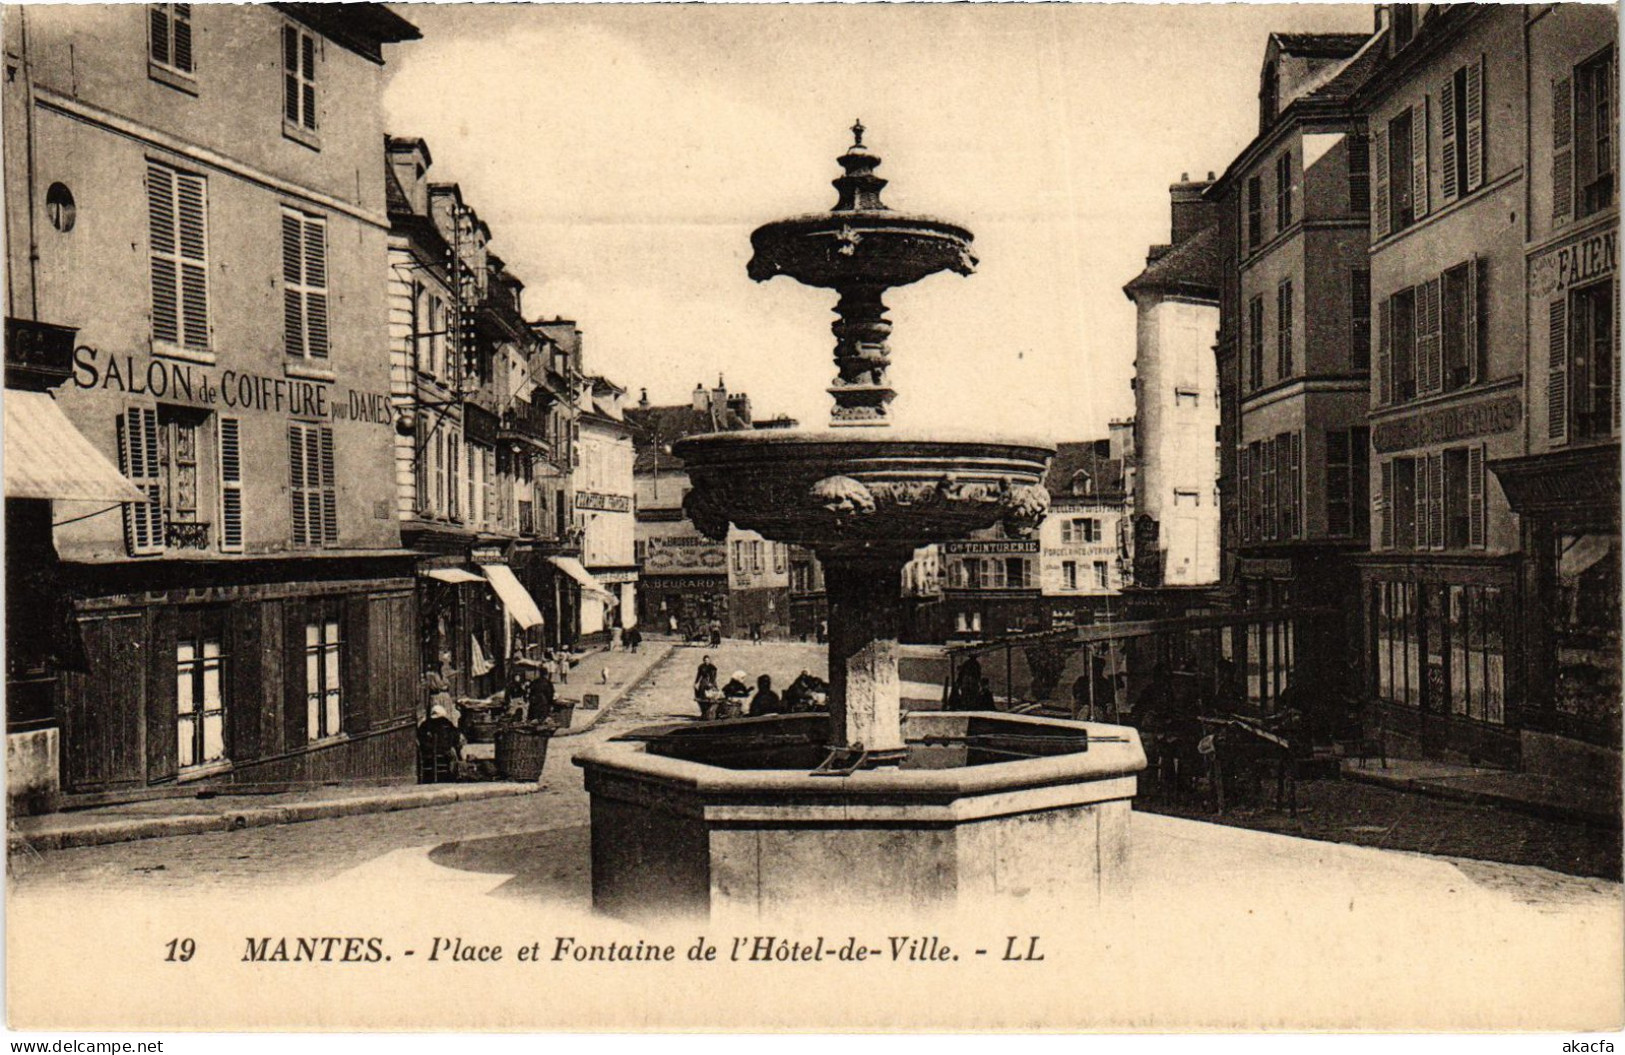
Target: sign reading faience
(605, 503)
(1447, 424)
(1572, 265)
(1000, 547)
(195, 385)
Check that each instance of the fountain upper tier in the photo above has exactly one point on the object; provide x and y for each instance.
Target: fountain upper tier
(861, 491)
(860, 248)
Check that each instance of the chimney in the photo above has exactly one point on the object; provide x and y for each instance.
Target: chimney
(740, 405)
(719, 396)
(1191, 213)
(701, 398)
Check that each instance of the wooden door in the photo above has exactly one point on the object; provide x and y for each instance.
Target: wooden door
(103, 708)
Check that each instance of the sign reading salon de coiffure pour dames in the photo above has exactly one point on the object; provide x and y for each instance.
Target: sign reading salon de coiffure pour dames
(201, 386)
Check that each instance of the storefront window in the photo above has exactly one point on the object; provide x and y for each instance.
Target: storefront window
(1586, 627)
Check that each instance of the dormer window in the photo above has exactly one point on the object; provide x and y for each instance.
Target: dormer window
(1082, 483)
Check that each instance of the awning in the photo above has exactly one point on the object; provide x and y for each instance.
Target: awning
(46, 457)
(572, 567)
(521, 607)
(452, 575)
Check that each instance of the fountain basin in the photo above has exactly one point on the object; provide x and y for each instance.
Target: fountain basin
(873, 246)
(829, 490)
(726, 821)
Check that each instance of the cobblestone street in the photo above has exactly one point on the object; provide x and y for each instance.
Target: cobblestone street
(541, 839)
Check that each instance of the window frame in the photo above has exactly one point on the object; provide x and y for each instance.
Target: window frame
(324, 702)
(172, 22)
(1596, 133)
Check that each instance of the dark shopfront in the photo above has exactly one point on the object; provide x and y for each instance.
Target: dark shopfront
(1443, 656)
(695, 601)
(266, 672)
(1568, 506)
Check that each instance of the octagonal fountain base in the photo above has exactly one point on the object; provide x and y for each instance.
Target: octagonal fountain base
(727, 819)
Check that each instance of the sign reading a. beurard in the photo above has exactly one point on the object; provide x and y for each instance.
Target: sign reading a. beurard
(195, 385)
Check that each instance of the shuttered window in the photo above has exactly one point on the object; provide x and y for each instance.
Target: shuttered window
(1459, 325)
(1562, 151)
(1244, 493)
(1383, 213)
(177, 231)
(304, 285)
(1419, 159)
(1475, 497)
(1255, 343)
(231, 485)
(1255, 212)
(1384, 503)
(1385, 356)
(1289, 447)
(1284, 367)
(1429, 344)
(314, 498)
(1557, 374)
(1360, 318)
(169, 36)
(139, 460)
(1359, 160)
(298, 77)
(1283, 191)
(1461, 132)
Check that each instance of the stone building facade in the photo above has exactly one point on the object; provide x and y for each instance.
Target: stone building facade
(183, 191)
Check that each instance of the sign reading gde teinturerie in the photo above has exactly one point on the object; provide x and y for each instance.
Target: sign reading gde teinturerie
(195, 385)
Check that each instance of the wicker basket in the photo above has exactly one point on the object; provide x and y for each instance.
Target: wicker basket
(564, 712)
(521, 751)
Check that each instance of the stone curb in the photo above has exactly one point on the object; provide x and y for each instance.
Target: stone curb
(130, 830)
(1475, 797)
(606, 707)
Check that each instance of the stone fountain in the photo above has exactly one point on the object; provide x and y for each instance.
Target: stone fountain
(865, 804)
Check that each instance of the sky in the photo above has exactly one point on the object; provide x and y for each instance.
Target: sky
(622, 154)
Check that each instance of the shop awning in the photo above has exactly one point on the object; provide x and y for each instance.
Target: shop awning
(452, 575)
(520, 605)
(572, 567)
(46, 457)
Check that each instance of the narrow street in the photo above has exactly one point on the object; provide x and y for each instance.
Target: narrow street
(540, 839)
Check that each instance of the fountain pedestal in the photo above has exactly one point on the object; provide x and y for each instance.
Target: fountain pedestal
(865, 705)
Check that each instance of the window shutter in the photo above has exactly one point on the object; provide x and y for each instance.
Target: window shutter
(1562, 151)
(296, 467)
(307, 52)
(1385, 353)
(1419, 507)
(316, 286)
(1379, 160)
(1419, 159)
(1475, 496)
(1359, 172)
(1384, 505)
(1244, 493)
(1475, 125)
(158, 32)
(1295, 478)
(1450, 189)
(1360, 318)
(290, 73)
(329, 492)
(138, 460)
(231, 486)
(193, 260)
(1557, 375)
(1436, 501)
(293, 273)
(1429, 346)
(161, 236)
(183, 37)
(1475, 305)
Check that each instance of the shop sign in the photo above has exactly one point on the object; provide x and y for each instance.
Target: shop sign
(614, 576)
(605, 503)
(1447, 424)
(708, 583)
(1573, 265)
(676, 554)
(236, 390)
(487, 555)
(1000, 547)
(1264, 567)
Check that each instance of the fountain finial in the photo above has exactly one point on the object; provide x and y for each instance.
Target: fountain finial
(857, 132)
